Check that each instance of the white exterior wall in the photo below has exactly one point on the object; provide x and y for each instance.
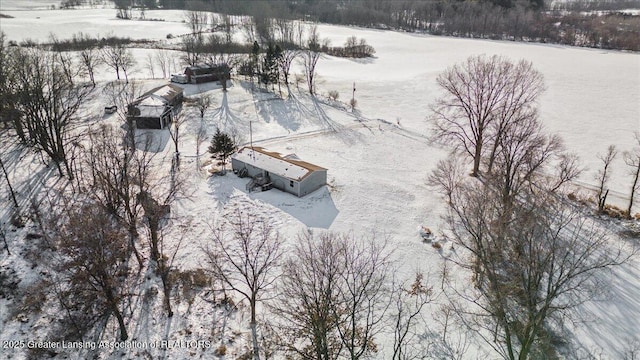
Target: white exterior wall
(313, 182)
(309, 184)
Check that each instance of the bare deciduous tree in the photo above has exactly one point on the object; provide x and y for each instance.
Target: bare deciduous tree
(227, 25)
(124, 9)
(48, 99)
(308, 298)
(408, 300)
(149, 64)
(285, 31)
(604, 174)
(5, 173)
(122, 95)
(483, 96)
(333, 296)
(285, 62)
(91, 59)
(118, 57)
(363, 294)
(202, 104)
(94, 262)
(524, 153)
(245, 255)
(533, 255)
(632, 159)
(155, 214)
(530, 265)
(310, 58)
(197, 22)
(156, 195)
(177, 120)
(163, 58)
(114, 177)
(191, 46)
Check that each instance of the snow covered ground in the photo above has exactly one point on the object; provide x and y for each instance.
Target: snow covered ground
(378, 157)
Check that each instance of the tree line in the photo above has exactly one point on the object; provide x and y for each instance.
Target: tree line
(495, 19)
(576, 23)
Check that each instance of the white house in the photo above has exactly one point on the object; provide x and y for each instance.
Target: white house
(286, 173)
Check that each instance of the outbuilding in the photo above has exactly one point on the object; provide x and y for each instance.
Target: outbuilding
(286, 173)
(155, 108)
(205, 73)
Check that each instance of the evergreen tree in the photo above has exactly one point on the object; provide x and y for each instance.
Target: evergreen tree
(222, 146)
(253, 60)
(269, 73)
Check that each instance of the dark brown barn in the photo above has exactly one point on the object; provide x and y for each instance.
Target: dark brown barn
(207, 73)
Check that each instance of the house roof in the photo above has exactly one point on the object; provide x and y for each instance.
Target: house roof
(151, 111)
(208, 69)
(153, 100)
(275, 163)
(166, 92)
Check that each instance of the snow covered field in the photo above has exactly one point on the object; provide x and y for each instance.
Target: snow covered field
(380, 156)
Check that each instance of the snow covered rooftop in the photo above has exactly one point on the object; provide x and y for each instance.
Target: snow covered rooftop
(275, 163)
(151, 111)
(165, 93)
(153, 100)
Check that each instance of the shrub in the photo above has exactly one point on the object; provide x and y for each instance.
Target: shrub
(333, 95)
(221, 350)
(615, 212)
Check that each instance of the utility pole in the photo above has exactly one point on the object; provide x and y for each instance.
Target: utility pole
(253, 153)
(353, 97)
(353, 93)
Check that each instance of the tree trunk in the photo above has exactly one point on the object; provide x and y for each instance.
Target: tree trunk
(154, 229)
(476, 159)
(254, 331)
(114, 308)
(4, 238)
(633, 189)
(133, 236)
(11, 191)
(123, 328)
(166, 287)
(492, 157)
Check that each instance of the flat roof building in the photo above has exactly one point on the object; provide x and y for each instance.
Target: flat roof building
(287, 173)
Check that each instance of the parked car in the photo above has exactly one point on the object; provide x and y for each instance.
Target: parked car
(179, 78)
(110, 109)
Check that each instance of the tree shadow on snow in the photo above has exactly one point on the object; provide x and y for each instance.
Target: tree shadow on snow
(154, 141)
(284, 112)
(227, 120)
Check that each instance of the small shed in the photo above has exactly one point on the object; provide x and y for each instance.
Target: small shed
(286, 173)
(155, 108)
(207, 73)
